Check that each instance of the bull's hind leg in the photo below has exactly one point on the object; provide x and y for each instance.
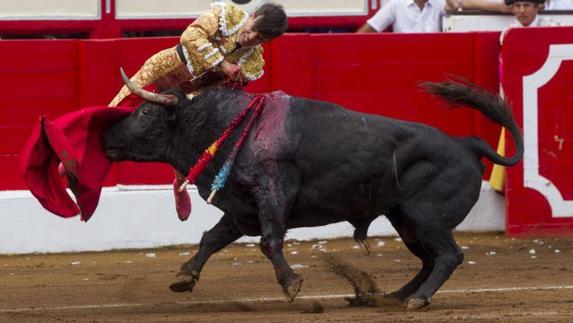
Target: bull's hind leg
(435, 211)
(406, 230)
(446, 256)
(276, 194)
(221, 235)
(439, 199)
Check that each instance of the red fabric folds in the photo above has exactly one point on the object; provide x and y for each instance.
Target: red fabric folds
(74, 140)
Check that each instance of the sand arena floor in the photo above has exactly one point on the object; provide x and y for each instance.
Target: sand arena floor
(500, 280)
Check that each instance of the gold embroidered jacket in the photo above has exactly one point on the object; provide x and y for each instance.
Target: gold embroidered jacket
(210, 39)
(213, 36)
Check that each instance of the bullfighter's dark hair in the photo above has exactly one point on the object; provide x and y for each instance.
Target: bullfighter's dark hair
(272, 21)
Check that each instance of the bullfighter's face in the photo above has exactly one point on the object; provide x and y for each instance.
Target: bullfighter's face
(248, 36)
(145, 135)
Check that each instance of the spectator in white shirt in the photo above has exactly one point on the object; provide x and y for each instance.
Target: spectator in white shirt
(408, 16)
(423, 16)
(526, 14)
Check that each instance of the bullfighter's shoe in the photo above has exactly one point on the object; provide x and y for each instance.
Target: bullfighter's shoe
(182, 201)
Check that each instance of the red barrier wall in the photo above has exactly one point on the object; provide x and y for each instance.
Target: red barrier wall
(374, 73)
(38, 77)
(381, 73)
(538, 80)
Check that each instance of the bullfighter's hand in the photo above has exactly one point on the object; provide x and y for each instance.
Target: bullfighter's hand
(232, 71)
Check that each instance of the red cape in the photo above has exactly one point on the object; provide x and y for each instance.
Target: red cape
(74, 140)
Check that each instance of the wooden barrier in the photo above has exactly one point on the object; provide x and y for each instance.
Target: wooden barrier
(538, 81)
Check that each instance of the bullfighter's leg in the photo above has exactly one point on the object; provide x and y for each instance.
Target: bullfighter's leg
(220, 236)
(276, 194)
(157, 66)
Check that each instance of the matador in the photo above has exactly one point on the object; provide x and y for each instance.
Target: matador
(222, 43)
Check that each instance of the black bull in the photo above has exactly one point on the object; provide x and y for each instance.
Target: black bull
(311, 163)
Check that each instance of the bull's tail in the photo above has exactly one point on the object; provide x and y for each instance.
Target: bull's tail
(491, 105)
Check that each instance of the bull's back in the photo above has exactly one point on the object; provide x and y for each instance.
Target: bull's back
(325, 130)
(351, 162)
(344, 157)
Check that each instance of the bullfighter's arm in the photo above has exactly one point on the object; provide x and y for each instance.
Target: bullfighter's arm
(201, 54)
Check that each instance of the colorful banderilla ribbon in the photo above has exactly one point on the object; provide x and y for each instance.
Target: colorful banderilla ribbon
(209, 153)
(221, 178)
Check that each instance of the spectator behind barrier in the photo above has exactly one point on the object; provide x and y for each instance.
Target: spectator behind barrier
(408, 16)
(526, 14)
(423, 16)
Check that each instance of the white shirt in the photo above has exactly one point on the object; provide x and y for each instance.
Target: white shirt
(406, 17)
(537, 22)
(558, 5)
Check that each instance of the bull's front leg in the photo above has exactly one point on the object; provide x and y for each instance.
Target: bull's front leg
(220, 236)
(272, 238)
(276, 194)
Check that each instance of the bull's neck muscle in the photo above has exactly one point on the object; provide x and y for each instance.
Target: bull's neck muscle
(202, 121)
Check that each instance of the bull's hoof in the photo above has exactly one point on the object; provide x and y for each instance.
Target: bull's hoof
(416, 303)
(184, 284)
(292, 287)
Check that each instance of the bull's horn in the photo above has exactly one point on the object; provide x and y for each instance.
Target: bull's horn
(160, 99)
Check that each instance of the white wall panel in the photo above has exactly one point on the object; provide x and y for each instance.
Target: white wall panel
(145, 217)
(492, 22)
(141, 9)
(49, 9)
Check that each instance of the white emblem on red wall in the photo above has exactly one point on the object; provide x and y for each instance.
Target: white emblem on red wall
(531, 175)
